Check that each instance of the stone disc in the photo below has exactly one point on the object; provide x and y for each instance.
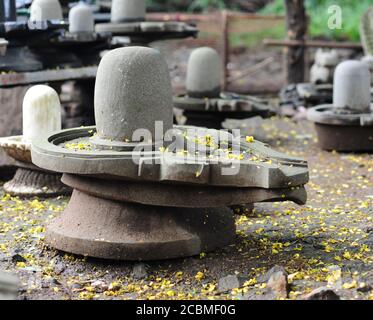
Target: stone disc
(167, 195)
(30, 183)
(107, 229)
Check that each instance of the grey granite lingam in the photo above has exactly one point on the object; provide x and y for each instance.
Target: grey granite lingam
(204, 74)
(128, 19)
(41, 115)
(134, 199)
(142, 84)
(42, 10)
(204, 103)
(346, 125)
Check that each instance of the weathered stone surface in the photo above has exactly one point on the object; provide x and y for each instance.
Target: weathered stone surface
(45, 10)
(204, 73)
(30, 183)
(352, 86)
(122, 231)
(128, 10)
(265, 277)
(228, 283)
(133, 91)
(322, 293)
(81, 19)
(169, 166)
(278, 284)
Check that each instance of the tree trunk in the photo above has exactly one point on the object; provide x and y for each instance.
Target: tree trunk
(296, 26)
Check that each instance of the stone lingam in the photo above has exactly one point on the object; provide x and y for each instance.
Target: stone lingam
(204, 103)
(22, 34)
(128, 19)
(42, 10)
(41, 115)
(77, 46)
(81, 36)
(347, 124)
(322, 70)
(145, 189)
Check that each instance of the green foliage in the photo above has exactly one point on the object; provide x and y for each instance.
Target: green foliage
(352, 10)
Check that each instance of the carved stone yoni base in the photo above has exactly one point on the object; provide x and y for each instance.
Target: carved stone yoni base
(30, 183)
(345, 138)
(108, 229)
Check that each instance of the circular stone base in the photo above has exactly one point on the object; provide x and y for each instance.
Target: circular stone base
(345, 138)
(101, 228)
(30, 183)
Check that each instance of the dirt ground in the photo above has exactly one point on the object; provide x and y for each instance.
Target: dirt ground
(326, 243)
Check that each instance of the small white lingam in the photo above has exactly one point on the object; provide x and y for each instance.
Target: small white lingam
(41, 10)
(128, 11)
(352, 86)
(41, 112)
(81, 19)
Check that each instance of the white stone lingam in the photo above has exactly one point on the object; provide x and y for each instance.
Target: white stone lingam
(323, 68)
(352, 86)
(41, 10)
(204, 73)
(128, 11)
(81, 19)
(41, 112)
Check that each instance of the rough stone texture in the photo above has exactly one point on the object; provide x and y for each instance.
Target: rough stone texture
(204, 73)
(345, 138)
(352, 86)
(45, 10)
(164, 194)
(322, 293)
(251, 170)
(228, 283)
(30, 183)
(108, 229)
(128, 10)
(81, 19)
(41, 112)
(133, 91)
(278, 284)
